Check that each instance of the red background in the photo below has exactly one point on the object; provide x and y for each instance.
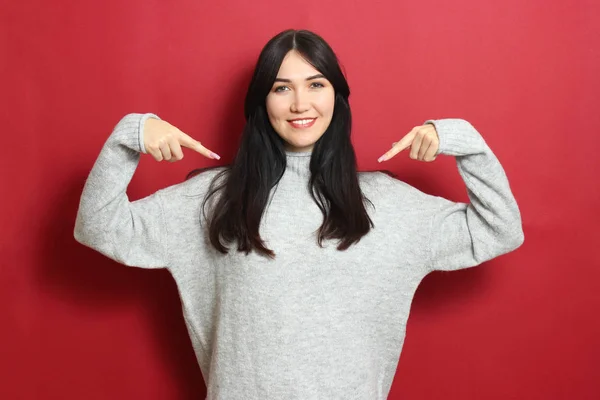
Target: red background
(525, 73)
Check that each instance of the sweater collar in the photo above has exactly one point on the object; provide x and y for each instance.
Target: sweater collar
(298, 163)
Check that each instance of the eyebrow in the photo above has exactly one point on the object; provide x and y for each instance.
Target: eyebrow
(310, 78)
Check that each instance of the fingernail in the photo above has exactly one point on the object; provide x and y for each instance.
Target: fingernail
(380, 159)
(215, 155)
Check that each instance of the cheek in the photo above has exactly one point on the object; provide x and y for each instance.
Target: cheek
(275, 108)
(326, 105)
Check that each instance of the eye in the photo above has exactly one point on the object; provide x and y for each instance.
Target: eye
(317, 85)
(280, 88)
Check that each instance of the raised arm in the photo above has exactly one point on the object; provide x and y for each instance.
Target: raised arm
(132, 233)
(461, 235)
(464, 235)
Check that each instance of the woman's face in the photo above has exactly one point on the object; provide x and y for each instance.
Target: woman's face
(300, 103)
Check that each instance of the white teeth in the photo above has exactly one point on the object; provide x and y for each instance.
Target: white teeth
(303, 122)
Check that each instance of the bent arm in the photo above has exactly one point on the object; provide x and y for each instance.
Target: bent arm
(132, 233)
(465, 235)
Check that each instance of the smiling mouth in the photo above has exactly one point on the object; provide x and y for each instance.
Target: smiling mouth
(302, 123)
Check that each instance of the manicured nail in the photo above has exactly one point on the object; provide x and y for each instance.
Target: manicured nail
(380, 159)
(215, 155)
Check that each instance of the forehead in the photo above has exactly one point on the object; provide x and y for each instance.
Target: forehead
(295, 67)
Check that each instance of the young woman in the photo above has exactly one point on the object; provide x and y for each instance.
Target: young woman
(296, 272)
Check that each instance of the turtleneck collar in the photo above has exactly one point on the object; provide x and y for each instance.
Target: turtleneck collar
(298, 163)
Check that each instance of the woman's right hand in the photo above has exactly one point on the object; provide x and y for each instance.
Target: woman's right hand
(164, 141)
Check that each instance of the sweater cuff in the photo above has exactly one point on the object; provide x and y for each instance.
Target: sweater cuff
(457, 137)
(141, 130)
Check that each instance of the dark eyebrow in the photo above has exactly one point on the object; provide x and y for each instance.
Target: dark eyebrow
(310, 78)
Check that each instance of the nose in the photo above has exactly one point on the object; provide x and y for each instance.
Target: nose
(300, 102)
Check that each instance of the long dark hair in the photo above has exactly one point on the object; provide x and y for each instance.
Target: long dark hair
(237, 212)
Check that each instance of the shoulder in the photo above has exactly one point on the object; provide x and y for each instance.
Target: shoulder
(196, 185)
(385, 187)
(185, 199)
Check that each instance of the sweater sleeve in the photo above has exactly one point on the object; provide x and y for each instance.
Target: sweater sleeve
(132, 233)
(465, 235)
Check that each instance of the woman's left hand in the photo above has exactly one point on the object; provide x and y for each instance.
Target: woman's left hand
(423, 141)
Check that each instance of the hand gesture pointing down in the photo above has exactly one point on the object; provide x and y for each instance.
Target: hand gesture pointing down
(423, 141)
(164, 141)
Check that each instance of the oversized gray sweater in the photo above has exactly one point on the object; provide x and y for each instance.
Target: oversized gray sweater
(314, 323)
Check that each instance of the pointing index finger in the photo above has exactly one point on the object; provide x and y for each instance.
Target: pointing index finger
(405, 142)
(191, 143)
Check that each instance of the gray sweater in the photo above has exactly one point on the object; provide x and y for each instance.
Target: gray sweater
(314, 323)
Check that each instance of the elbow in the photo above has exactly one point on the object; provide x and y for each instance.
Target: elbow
(515, 238)
(84, 231)
(510, 232)
(79, 232)
(501, 244)
(504, 241)
(80, 235)
(518, 239)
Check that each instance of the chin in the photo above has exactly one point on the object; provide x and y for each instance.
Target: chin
(300, 147)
